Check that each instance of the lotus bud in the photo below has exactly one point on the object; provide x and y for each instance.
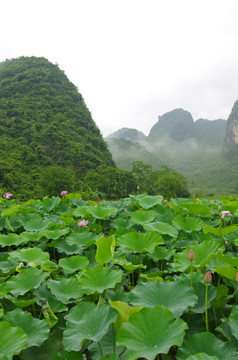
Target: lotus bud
(208, 277)
(191, 255)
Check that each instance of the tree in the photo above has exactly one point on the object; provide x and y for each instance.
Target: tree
(172, 185)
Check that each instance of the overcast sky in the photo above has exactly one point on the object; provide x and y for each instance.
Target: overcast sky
(133, 60)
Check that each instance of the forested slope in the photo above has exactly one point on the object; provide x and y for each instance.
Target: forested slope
(48, 137)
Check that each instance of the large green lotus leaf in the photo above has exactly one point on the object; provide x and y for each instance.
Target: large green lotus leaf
(48, 204)
(233, 321)
(55, 234)
(101, 212)
(10, 211)
(147, 202)
(37, 330)
(177, 296)
(206, 343)
(142, 216)
(30, 236)
(73, 263)
(27, 280)
(65, 289)
(99, 278)
(200, 290)
(105, 249)
(162, 252)
(203, 253)
(9, 240)
(34, 255)
(12, 340)
(224, 259)
(84, 239)
(151, 332)
(63, 247)
(227, 271)
(201, 356)
(86, 321)
(162, 228)
(36, 223)
(42, 292)
(196, 209)
(140, 242)
(121, 223)
(188, 223)
(220, 231)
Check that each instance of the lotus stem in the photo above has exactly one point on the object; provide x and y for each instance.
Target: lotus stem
(206, 313)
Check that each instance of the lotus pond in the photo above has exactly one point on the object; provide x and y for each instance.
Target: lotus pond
(139, 278)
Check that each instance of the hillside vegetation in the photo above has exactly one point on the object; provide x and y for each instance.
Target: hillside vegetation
(49, 140)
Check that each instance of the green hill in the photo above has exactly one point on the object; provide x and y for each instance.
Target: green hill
(48, 137)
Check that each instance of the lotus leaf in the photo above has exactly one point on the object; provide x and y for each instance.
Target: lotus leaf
(141, 216)
(36, 223)
(148, 202)
(27, 280)
(188, 223)
(150, 332)
(203, 253)
(9, 240)
(140, 242)
(12, 340)
(209, 344)
(162, 228)
(86, 321)
(34, 255)
(176, 296)
(37, 330)
(105, 249)
(101, 212)
(233, 321)
(73, 263)
(98, 278)
(65, 289)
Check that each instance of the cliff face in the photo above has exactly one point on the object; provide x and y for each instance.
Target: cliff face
(231, 137)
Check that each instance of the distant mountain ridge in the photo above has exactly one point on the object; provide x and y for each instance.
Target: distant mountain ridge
(191, 147)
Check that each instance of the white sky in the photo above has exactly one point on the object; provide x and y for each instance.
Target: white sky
(133, 60)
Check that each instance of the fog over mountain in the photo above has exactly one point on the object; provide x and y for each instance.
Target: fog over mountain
(199, 149)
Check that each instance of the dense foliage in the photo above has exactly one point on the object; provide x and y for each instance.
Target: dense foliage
(139, 278)
(164, 181)
(46, 130)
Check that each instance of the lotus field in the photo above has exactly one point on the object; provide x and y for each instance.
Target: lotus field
(139, 278)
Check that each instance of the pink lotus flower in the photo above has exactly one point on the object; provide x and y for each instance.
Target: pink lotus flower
(7, 196)
(191, 255)
(83, 223)
(165, 201)
(219, 207)
(208, 277)
(64, 193)
(225, 213)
